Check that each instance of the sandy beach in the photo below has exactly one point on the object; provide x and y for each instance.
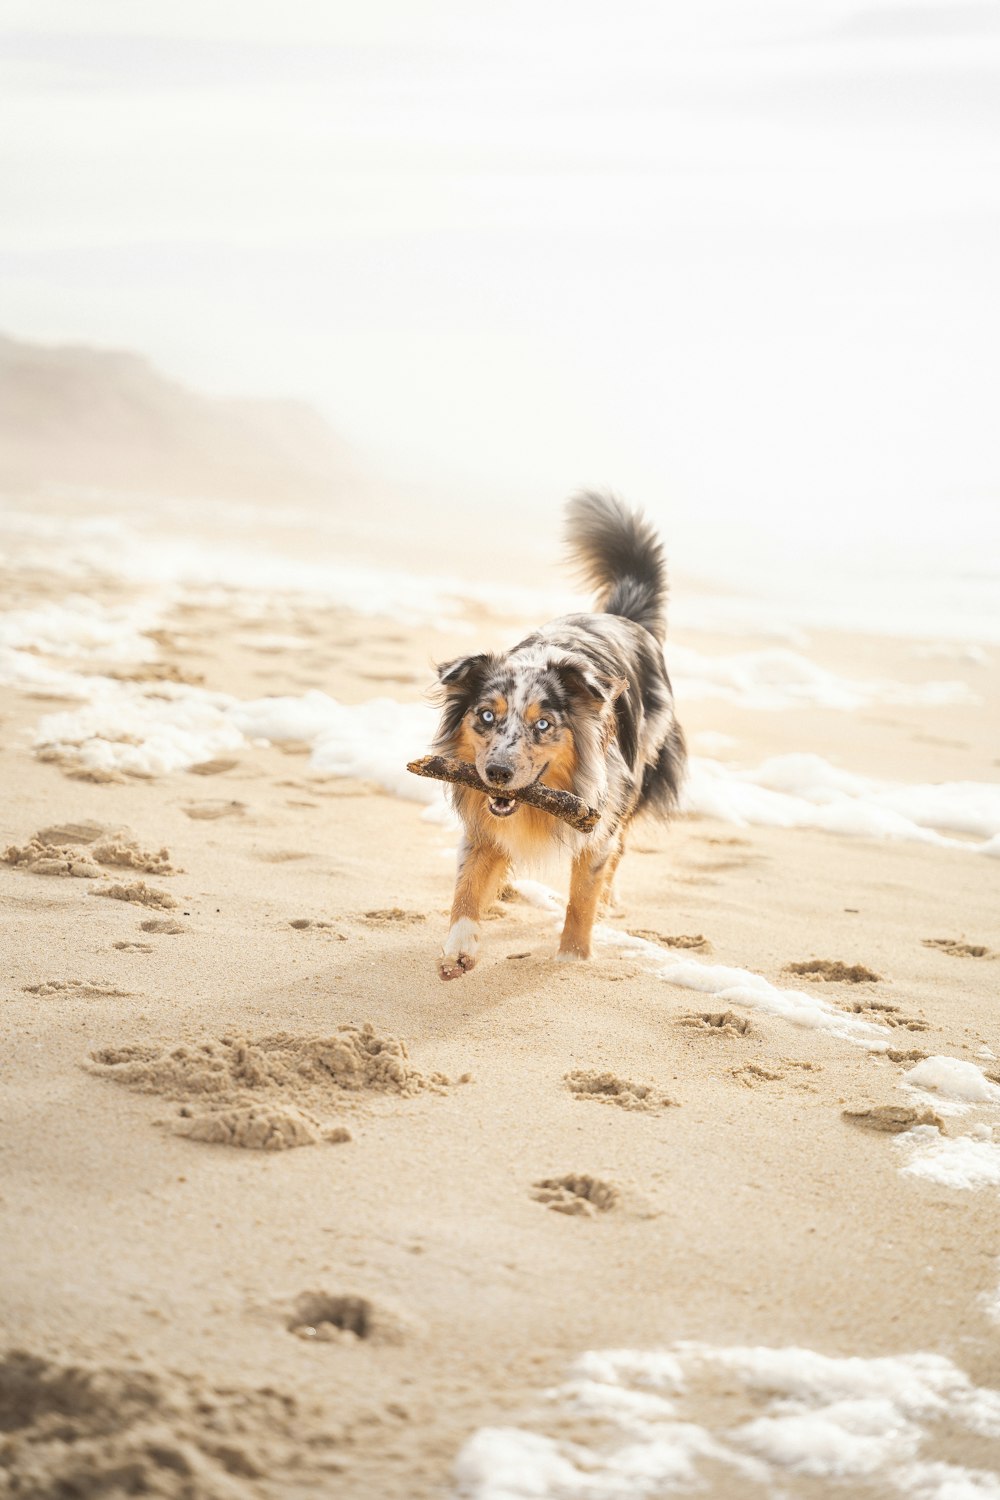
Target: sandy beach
(719, 1206)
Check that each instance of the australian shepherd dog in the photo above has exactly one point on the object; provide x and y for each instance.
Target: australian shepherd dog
(583, 704)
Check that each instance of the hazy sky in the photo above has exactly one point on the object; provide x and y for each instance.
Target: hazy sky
(737, 260)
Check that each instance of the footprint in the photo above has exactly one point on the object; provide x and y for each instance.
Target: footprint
(400, 679)
(99, 775)
(76, 989)
(832, 971)
(215, 809)
(720, 1023)
(160, 924)
(752, 1075)
(339, 1319)
(71, 833)
(389, 914)
(906, 1054)
(212, 767)
(161, 671)
(280, 856)
(696, 940)
(301, 924)
(892, 1118)
(956, 949)
(576, 1193)
(608, 1088)
(889, 1015)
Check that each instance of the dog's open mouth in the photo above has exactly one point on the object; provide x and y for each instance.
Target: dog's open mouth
(502, 807)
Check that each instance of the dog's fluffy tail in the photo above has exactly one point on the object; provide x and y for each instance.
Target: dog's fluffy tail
(621, 556)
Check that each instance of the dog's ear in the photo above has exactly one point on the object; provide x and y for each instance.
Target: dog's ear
(455, 676)
(588, 686)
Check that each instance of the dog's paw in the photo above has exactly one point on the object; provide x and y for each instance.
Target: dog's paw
(571, 956)
(459, 954)
(454, 965)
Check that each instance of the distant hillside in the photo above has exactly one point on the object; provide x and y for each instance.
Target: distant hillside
(91, 417)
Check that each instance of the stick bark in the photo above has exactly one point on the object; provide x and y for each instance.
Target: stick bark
(565, 806)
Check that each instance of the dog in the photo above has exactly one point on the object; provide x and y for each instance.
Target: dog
(583, 704)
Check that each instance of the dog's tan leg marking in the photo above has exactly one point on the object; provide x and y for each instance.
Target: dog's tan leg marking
(609, 899)
(585, 886)
(480, 871)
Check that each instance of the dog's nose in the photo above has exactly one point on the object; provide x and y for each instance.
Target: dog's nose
(500, 775)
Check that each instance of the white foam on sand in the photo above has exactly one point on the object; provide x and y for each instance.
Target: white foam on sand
(779, 678)
(769, 1415)
(807, 791)
(959, 1161)
(124, 728)
(179, 565)
(990, 1301)
(80, 627)
(374, 740)
(38, 679)
(951, 1079)
(962, 651)
(722, 983)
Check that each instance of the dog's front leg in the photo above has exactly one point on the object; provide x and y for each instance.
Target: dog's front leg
(608, 901)
(585, 887)
(480, 870)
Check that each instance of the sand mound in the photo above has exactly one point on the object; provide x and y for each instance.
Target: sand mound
(138, 892)
(127, 853)
(832, 971)
(39, 858)
(86, 1431)
(354, 1058)
(260, 1127)
(608, 1088)
(81, 849)
(272, 1093)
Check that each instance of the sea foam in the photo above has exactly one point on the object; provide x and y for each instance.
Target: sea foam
(788, 1413)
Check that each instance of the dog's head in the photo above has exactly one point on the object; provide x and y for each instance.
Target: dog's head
(522, 719)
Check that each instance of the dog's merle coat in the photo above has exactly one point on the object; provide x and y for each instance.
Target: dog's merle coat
(584, 703)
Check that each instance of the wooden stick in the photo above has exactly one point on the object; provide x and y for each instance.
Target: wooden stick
(563, 805)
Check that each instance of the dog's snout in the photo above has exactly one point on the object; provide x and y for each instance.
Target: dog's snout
(499, 774)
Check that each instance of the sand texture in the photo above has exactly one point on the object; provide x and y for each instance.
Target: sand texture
(704, 1138)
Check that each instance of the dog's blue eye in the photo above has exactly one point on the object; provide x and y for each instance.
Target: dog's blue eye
(542, 724)
(487, 715)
